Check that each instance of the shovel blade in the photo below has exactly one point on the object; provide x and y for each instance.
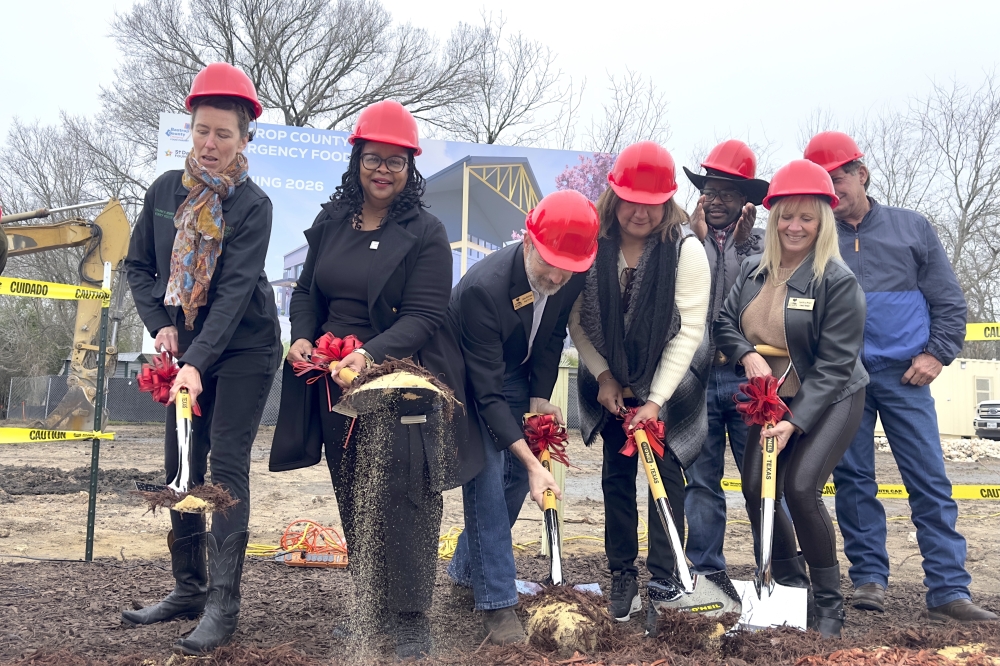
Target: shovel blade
(782, 606)
(531, 589)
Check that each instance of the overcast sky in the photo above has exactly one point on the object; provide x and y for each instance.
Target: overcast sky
(729, 68)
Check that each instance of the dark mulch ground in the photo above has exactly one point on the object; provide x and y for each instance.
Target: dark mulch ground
(17, 480)
(68, 613)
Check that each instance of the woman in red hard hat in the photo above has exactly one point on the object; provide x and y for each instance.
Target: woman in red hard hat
(196, 270)
(639, 326)
(379, 267)
(800, 296)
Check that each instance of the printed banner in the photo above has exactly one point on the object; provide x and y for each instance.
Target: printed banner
(66, 292)
(898, 491)
(35, 435)
(489, 187)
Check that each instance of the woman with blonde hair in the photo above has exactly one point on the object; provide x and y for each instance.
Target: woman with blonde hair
(800, 296)
(639, 326)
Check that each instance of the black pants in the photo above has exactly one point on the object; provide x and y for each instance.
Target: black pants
(804, 466)
(390, 515)
(234, 392)
(621, 514)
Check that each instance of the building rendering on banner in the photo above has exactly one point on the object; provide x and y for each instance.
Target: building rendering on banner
(482, 202)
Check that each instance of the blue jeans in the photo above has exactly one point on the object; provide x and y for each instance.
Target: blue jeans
(704, 499)
(910, 423)
(484, 558)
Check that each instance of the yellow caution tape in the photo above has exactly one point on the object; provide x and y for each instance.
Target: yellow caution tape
(35, 435)
(983, 331)
(898, 491)
(66, 292)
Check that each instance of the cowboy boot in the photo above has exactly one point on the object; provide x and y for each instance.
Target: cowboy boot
(829, 601)
(222, 610)
(186, 542)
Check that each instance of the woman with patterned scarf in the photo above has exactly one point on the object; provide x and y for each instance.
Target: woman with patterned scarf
(639, 326)
(196, 270)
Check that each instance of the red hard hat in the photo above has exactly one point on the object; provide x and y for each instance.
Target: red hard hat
(387, 122)
(563, 227)
(733, 157)
(831, 150)
(221, 78)
(801, 177)
(644, 173)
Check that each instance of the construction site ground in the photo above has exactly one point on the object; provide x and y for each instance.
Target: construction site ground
(67, 612)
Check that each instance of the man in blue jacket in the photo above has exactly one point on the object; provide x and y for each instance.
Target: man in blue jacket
(915, 325)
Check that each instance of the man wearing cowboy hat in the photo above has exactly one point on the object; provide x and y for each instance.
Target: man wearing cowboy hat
(723, 219)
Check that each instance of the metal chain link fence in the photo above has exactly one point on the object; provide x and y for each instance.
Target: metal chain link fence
(34, 398)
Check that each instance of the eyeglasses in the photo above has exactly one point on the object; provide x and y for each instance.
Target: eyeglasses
(727, 196)
(371, 161)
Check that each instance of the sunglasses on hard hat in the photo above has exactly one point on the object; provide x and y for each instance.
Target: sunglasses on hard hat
(371, 161)
(727, 196)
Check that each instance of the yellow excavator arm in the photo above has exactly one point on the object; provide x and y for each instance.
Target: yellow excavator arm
(105, 240)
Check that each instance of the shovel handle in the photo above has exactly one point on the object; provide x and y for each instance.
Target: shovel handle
(183, 404)
(649, 464)
(347, 375)
(769, 468)
(549, 497)
(768, 350)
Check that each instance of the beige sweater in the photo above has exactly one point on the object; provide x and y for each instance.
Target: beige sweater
(691, 295)
(763, 323)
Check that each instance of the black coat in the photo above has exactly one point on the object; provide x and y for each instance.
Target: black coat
(824, 341)
(407, 302)
(494, 335)
(240, 313)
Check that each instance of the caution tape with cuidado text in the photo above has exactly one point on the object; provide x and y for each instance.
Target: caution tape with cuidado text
(34, 435)
(898, 491)
(65, 292)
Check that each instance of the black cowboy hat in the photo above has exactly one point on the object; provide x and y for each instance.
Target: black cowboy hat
(754, 189)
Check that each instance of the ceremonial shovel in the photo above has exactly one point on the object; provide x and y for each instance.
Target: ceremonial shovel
(182, 479)
(765, 603)
(205, 498)
(550, 513)
(710, 594)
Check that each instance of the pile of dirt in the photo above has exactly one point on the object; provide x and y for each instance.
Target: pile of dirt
(69, 613)
(17, 480)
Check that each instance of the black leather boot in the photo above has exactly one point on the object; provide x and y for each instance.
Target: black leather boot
(792, 573)
(186, 542)
(829, 602)
(222, 610)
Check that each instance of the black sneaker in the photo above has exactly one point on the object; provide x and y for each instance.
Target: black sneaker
(625, 599)
(659, 591)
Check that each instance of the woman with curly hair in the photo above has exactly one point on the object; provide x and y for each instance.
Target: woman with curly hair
(379, 267)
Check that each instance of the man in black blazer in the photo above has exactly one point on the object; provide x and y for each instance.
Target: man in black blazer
(510, 312)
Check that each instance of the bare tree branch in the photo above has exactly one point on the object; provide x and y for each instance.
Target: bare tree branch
(636, 112)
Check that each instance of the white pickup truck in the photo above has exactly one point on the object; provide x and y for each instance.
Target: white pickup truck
(987, 421)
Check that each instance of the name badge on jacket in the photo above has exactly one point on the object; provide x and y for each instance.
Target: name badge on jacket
(801, 303)
(522, 300)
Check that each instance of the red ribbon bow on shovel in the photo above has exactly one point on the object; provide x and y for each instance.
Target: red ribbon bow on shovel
(762, 405)
(329, 351)
(156, 379)
(655, 433)
(543, 433)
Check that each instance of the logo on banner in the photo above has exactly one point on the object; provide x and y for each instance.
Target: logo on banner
(176, 153)
(179, 133)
